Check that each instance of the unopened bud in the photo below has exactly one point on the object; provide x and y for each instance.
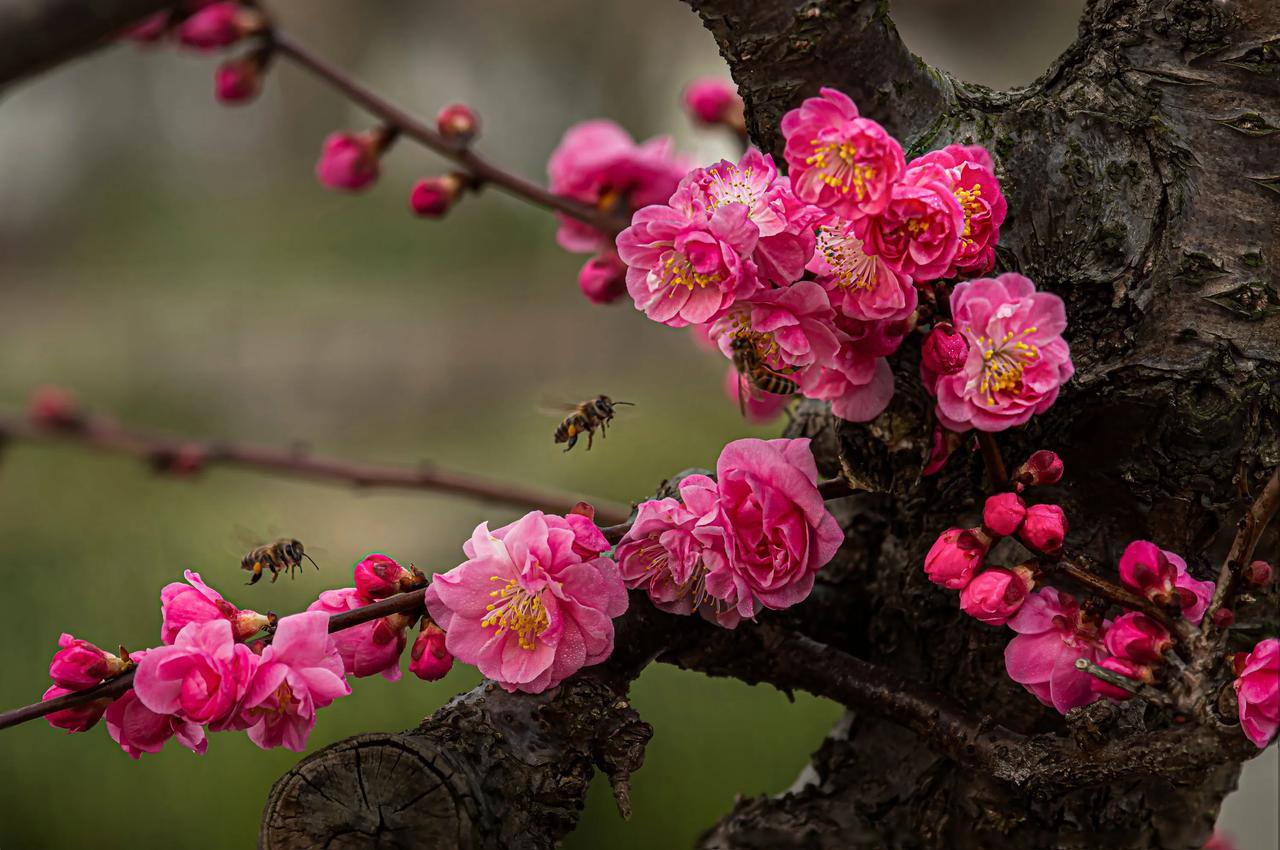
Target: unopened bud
(995, 595)
(434, 196)
(238, 80)
(955, 556)
(944, 350)
(1003, 513)
(457, 121)
(1044, 529)
(429, 659)
(1145, 568)
(79, 718)
(713, 100)
(54, 407)
(1043, 467)
(603, 278)
(585, 509)
(1137, 637)
(79, 664)
(189, 459)
(1223, 618)
(1259, 574)
(219, 25)
(349, 161)
(378, 576)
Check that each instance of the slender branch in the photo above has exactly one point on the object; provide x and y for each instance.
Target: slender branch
(1124, 683)
(480, 170)
(1080, 574)
(38, 34)
(994, 461)
(1250, 529)
(169, 453)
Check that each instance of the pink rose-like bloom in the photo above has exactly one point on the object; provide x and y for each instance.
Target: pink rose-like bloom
(955, 556)
(792, 328)
(918, 234)
(1003, 513)
(778, 531)
(1193, 594)
(525, 607)
(973, 182)
(81, 718)
(79, 664)
(1139, 638)
(196, 602)
(216, 25)
(597, 162)
(297, 674)
(1052, 635)
(687, 262)
(1145, 567)
(369, 648)
(201, 677)
(1044, 529)
(1139, 673)
(429, 659)
(859, 285)
(349, 161)
(712, 100)
(1018, 359)
(1257, 688)
(943, 352)
(838, 160)
(995, 595)
(378, 576)
(761, 408)
(858, 384)
(603, 278)
(138, 729)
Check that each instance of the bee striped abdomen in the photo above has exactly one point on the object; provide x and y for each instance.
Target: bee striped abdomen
(773, 382)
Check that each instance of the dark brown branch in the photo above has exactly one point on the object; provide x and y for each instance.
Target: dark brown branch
(38, 34)
(1250, 529)
(481, 171)
(169, 453)
(996, 472)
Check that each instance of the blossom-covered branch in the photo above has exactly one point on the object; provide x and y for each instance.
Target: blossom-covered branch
(55, 418)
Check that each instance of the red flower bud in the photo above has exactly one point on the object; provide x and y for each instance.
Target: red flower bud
(603, 278)
(1043, 467)
(1144, 567)
(53, 407)
(712, 101)
(944, 350)
(378, 576)
(220, 24)
(429, 659)
(955, 556)
(995, 595)
(434, 196)
(79, 665)
(1003, 513)
(1139, 638)
(349, 161)
(1044, 529)
(238, 80)
(457, 121)
(1223, 618)
(1259, 574)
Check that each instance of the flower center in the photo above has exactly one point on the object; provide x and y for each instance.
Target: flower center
(275, 712)
(729, 185)
(765, 344)
(916, 226)
(678, 271)
(836, 166)
(1003, 362)
(516, 610)
(970, 203)
(655, 555)
(851, 267)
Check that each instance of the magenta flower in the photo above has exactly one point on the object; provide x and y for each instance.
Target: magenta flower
(712, 100)
(429, 659)
(349, 161)
(792, 328)
(80, 718)
(859, 385)
(370, 648)
(995, 595)
(1145, 567)
(79, 665)
(955, 556)
(762, 408)
(525, 608)
(918, 233)
(1139, 673)
(838, 160)
(1138, 638)
(972, 178)
(138, 729)
(298, 673)
(859, 285)
(1257, 687)
(378, 576)
(1044, 529)
(603, 278)
(196, 602)
(1003, 513)
(778, 531)
(598, 163)
(1052, 634)
(200, 678)
(1018, 359)
(1193, 594)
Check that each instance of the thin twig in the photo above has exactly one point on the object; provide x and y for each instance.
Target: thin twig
(991, 456)
(169, 453)
(1124, 683)
(480, 170)
(1251, 526)
(1080, 574)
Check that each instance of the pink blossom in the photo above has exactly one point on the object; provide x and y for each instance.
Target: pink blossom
(1043, 467)
(761, 408)
(1044, 529)
(80, 718)
(687, 262)
(791, 328)
(378, 576)
(349, 161)
(1017, 361)
(603, 278)
(918, 233)
(372, 647)
(196, 602)
(859, 285)
(1257, 688)
(138, 729)
(298, 673)
(1145, 567)
(217, 25)
(943, 352)
(1220, 841)
(838, 160)
(598, 163)
(972, 178)
(588, 541)
(525, 608)
(1139, 673)
(238, 80)
(457, 121)
(1139, 638)
(712, 100)
(859, 385)
(432, 197)
(1193, 594)
(1003, 513)
(201, 677)
(996, 594)
(1052, 634)
(778, 531)
(429, 659)
(873, 339)
(79, 665)
(955, 556)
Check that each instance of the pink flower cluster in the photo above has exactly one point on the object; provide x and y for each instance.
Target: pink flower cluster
(753, 538)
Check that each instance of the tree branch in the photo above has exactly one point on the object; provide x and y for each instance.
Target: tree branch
(183, 455)
(38, 34)
(1250, 529)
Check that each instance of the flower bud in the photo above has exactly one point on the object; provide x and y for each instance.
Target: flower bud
(79, 664)
(1259, 574)
(54, 407)
(429, 660)
(457, 121)
(1129, 669)
(220, 24)
(1044, 529)
(349, 161)
(712, 101)
(150, 29)
(378, 576)
(944, 350)
(585, 509)
(1139, 638)
(434, 196)
(1224, 618)
(1144, 567)
(1043, 467)
(1003, 513)
(603, 278)
(81, 718)
(238, 80)
(995, 595)
(955, 555)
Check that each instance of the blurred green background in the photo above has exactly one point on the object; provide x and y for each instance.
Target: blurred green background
(174, 263)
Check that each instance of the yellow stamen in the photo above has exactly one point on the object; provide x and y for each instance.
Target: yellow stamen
(838, 168)
(516, 610)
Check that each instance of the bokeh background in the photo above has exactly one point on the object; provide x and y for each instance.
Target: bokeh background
(175, 263)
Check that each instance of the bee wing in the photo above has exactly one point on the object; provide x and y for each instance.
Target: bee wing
(556, 407)
(245, 538)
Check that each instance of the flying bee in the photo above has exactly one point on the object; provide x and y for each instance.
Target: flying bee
(284, 554)
(754, 373)
(585, 418)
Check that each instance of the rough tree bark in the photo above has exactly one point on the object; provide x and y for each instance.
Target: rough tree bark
(1144, 189)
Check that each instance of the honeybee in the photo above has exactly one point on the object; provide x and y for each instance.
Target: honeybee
(585, 418)
(753, 372)
(284, 554)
